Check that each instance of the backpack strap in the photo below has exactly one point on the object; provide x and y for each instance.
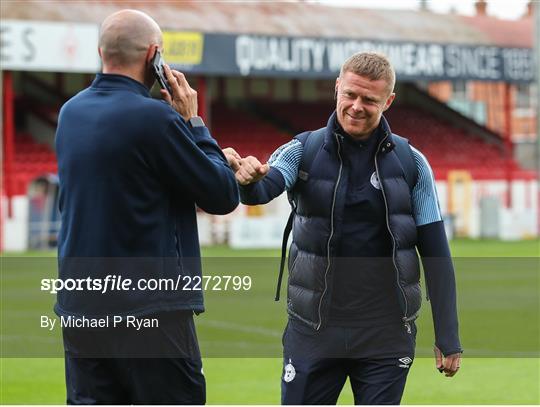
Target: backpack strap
(286, 234)
(406, 158)
(311, 143)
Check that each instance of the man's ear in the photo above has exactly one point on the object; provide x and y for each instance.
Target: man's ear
(389, 101)
(336, 88)
(151, 52)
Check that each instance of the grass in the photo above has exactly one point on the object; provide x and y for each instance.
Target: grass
(256, 381)
(499, 323)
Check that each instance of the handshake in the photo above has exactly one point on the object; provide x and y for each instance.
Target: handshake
(246, 170)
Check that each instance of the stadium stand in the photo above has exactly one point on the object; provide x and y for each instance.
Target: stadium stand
(447, 147)
(267, 125)
(32, 160)
(249, 136)
(451, 143)
(254, 104)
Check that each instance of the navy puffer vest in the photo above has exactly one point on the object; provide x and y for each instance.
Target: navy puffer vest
(320, 201)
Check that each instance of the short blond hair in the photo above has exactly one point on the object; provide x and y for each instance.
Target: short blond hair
(372, 65)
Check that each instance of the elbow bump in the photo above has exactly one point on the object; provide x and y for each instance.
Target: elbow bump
(223, 208)
(221, 204)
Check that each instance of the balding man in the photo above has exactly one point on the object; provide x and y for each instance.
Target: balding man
(132, 171)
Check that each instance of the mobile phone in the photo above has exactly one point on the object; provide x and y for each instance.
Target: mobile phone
(159, 73)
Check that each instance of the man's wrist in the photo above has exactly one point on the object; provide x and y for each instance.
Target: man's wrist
(196, 121)
(454, 351)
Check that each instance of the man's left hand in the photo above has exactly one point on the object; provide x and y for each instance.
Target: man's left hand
(447, 364)
(233, 158)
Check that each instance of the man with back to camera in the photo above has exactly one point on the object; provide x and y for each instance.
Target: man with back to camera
(363, 202)
(132, 169)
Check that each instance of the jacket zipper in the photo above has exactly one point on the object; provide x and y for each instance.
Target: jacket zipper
(405, 319)
(331, 230)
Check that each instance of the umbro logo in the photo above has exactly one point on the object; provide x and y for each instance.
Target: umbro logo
(405, 362)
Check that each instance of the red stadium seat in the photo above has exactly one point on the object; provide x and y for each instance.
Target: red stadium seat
(31, 160)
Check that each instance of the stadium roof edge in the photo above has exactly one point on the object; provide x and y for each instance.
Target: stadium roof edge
(291, 19)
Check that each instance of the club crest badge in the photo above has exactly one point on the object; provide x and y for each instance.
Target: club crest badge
(375, 181)
(290, 372)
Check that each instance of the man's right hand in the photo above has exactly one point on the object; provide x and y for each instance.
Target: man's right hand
(184, 97)
(251, 170)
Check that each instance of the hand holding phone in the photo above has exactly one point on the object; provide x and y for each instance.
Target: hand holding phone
(183, 98)
(157, 66)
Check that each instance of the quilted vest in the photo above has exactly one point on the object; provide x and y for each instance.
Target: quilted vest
(319, 198)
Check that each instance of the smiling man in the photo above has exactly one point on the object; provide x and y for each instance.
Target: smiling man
(363, 201)
(361, 101)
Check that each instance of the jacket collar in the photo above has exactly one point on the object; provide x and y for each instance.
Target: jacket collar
(387, 136)
(332, 127)
(116, 81)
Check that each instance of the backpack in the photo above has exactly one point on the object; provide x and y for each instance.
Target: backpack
(311, 146)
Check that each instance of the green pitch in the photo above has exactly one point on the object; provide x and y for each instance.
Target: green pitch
(499, 316)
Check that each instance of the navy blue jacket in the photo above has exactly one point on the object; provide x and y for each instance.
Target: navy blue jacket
(131, 175)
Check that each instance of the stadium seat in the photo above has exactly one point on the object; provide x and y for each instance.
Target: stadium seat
(31, 160)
